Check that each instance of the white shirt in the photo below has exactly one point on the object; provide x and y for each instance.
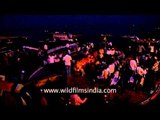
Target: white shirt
(67, 60)
(111, 52)
(111, 68)
(51, 59)
(152, 49)
(133, 65)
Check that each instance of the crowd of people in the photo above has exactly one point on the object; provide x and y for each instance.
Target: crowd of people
(104, 66)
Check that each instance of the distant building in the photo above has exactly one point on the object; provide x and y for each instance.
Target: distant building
(62, 36)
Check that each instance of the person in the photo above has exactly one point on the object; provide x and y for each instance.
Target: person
(155, 68)
(2, 78)
(45, 47)
(76, 100)
(141, 73)
(115, 79)
(51, 59)
(141, 49)
(78, 69)
(67, 61)
(133, 65)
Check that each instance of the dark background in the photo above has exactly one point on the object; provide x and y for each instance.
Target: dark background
(85, 16)
(117, 17)
(116, 23)
(81, 6)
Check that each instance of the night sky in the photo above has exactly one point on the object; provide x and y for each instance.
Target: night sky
(88, 24)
